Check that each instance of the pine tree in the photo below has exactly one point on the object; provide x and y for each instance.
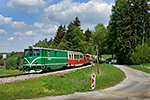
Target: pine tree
(88, 34)
(77, 22)
(59, 35)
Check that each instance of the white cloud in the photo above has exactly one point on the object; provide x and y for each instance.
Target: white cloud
(18, 34)
(1, 19)
(5, 20)
(3, 32)
(10, 39)
(18, 25)
(91, 12)
(30, 33)
(44, 29)
(38, 25)
(8, 20)
(30, 5)
(14, 25)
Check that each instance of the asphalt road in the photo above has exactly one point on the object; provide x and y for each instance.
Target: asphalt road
(136, 86)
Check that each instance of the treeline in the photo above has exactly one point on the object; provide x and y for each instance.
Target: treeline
(127, 35)
(73, 38)
(129, 31)
(14, 60)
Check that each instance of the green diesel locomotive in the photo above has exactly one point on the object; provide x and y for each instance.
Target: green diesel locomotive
(41, 59)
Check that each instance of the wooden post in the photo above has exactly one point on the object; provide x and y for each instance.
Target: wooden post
(92, 62)
(97, 58)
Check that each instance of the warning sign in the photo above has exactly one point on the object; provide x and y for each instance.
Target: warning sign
(93, 81)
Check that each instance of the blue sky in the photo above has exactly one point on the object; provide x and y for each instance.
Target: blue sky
(25, 22)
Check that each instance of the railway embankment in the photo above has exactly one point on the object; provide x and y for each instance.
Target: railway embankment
(62, 83)
(32, 76)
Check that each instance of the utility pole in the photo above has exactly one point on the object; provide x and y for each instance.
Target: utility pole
(97, 58)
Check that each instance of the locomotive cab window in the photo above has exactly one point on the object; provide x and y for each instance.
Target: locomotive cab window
(30, 52)
(26, 53)
(36, 52)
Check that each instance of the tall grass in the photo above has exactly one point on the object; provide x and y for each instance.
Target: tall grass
(78, 81)
(142, 67)
(10, 72)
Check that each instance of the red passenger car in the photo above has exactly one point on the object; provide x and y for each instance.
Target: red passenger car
(78, 59)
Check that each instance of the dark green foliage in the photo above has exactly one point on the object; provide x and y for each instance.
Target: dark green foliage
(14, 60)
(141, 54)
(76, 22)
(88, 35)
(98, 36)
(128, 26)
(59, 35)
(11, 63)
(1, 62)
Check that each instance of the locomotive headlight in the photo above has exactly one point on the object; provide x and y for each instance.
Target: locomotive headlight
(36, 62)
(25, 62)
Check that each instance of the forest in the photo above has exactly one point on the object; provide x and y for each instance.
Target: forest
(127, 35)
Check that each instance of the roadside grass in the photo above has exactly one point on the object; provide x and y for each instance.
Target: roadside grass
(142, 67)
(1, 67)
(77, 81)
(10, 72)
(108, 57)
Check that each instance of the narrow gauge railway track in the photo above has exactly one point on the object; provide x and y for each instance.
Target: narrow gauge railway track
(21, 77)
(13, 75)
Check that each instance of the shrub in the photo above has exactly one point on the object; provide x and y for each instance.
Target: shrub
(11, 63)
(141, 54)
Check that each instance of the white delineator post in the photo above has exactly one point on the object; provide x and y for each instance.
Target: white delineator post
(4, 57)
(93, 81)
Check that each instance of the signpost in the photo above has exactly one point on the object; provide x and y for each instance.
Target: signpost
(4, 57)
(93, 81)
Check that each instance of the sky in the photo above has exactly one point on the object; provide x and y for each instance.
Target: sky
(25, 22)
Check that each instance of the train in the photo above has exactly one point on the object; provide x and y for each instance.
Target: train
(38, 59)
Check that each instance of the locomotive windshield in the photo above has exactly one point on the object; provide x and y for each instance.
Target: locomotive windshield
(36, 52)
(26, 53)
(30, 52)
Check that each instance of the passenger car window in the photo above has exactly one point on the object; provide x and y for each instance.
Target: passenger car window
(48, 53)
(36, 52)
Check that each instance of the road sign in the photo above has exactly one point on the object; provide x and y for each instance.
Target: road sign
(4, 56)
(93, 81)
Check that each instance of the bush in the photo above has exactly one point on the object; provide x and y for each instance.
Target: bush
(11, 63)
(141, 54)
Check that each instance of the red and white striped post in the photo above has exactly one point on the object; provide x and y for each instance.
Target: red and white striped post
(93, 81)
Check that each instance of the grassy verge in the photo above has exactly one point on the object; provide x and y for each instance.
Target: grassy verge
(78, 81)
(108, 57)
(10, 72)
(143, 67)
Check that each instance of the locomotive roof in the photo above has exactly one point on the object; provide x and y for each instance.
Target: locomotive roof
(54, 50)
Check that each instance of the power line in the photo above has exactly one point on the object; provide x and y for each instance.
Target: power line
(5, 2)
